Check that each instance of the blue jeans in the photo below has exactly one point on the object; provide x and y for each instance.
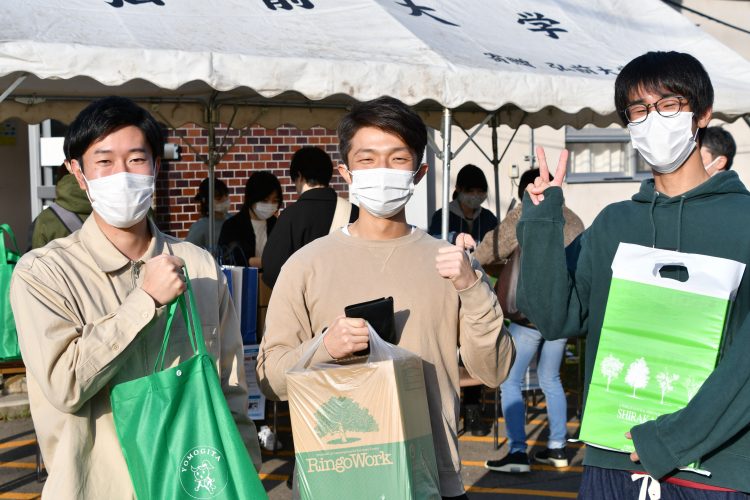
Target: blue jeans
(527, 342)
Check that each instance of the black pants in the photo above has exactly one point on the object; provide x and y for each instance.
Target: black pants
(462, 497)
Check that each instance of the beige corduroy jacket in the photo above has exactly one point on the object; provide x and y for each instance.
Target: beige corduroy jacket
(84, 325)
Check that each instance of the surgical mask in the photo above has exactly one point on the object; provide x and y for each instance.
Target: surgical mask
(383, 192)
(222, 207)
(664, 142)
(473, 201)
(122, 199)
(264, 210)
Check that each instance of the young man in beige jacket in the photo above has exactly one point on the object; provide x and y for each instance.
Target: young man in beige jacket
(90, 307)
(440, 302)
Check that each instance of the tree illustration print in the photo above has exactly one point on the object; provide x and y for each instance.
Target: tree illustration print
(340, 415)
(611, 368)
(665, 380)
(637, 376)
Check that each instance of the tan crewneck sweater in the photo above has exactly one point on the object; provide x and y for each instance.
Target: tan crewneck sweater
(432, 320)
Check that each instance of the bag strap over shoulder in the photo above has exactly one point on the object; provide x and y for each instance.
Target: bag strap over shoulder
(505, 288)
(70, 219)
(496, 243)
(341, 215)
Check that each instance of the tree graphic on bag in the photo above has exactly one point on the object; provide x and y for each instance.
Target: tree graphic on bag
(637, 376)
(611, 368)
(340, 415)
(665, 380)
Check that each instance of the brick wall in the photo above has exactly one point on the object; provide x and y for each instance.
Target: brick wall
(255, 149)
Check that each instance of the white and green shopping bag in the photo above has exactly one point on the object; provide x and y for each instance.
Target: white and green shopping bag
(660, 339)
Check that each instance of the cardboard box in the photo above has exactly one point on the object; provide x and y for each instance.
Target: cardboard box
(363, 431)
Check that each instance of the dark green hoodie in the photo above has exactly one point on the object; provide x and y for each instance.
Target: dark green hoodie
(711, 219)
(70, 196)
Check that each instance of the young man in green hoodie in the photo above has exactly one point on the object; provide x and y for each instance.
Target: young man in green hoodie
(665, 99)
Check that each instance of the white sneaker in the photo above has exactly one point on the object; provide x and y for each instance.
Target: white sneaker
(267, 439)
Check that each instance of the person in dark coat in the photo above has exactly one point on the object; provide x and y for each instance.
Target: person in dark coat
(243, 236)
(312, 216)
(466, 212)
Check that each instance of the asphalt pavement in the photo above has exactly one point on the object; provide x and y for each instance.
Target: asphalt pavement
(19, 479)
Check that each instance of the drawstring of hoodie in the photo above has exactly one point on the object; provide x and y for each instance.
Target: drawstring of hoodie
(679, 221)
(653, 223)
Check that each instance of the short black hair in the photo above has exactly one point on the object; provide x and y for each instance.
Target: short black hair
(313, 164)
(220, 191)
(104, 116)
(720, 143)
(680, 73)
(259, 186)
(527, 178)
(470, 177)
(389, 115)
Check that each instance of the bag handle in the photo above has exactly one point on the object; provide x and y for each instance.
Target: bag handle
(192, 321)
(380, 350)
(6, 228)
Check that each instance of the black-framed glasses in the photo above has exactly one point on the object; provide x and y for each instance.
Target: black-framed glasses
(666, 106)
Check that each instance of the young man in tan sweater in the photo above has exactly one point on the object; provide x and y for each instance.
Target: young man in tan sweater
(440, 301)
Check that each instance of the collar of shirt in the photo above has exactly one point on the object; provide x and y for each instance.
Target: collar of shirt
(106, 255)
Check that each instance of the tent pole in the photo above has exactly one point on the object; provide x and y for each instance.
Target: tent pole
(446, 169)
(12, 87)
(211, 166)
(495, 165)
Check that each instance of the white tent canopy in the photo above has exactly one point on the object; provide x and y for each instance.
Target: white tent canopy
(272, 62)
(302, 61)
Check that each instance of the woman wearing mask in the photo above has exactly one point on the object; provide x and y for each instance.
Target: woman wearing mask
(198, 234)
(466, 212)
(244, 235)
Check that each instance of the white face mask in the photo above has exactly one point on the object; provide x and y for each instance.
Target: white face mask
(122, 199)
(664, 142)
(264, 210)
(473, 201)
(383, 192)
(222, 207)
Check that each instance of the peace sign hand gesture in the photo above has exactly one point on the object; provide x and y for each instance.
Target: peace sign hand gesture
(542, 182)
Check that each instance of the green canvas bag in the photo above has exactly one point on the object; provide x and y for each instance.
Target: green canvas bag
(176, 431)
(660, 339)
(8, 258)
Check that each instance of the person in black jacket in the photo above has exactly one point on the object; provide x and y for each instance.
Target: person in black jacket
(466, 212)
(311, 216)
(243, 236)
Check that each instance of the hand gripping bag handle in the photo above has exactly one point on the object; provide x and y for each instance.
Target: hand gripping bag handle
(192, 323)
(380, 350)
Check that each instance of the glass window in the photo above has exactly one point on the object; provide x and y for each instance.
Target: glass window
(603, 154)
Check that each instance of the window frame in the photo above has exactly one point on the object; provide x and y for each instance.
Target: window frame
(594, 135)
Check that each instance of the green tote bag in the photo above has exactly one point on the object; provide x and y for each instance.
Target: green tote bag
(175, 428)
(8, 258)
